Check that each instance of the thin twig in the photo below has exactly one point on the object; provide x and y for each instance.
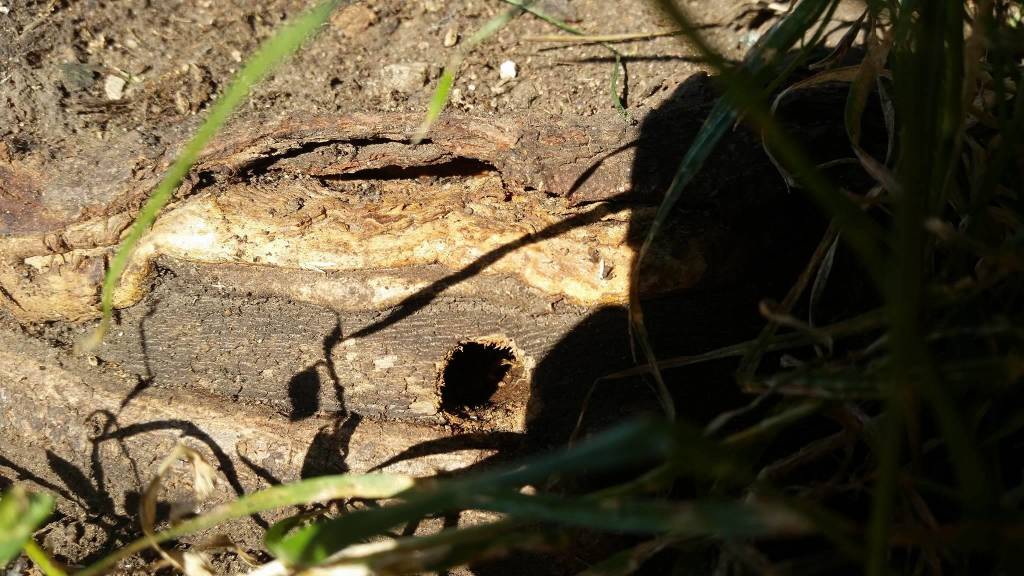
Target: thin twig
(605, 38)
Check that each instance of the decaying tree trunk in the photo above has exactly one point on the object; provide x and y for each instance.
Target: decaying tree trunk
(323, 296)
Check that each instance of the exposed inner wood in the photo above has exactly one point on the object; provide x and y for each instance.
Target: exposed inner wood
(336, 195)
(579, 254)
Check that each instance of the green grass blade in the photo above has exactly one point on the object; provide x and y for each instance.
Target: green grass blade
(274, 51)
(928, 82)
(721, 519)
(773, 424)
(442, 93)
(442, 550)
(21, 512)
(869, 73)
(322, 489)
(629, 444)
(454, 547)
(629, 560)
(718, 123)
(882, 501)
(751, 360)
(857, 325)
(928, 70)
(42, 560)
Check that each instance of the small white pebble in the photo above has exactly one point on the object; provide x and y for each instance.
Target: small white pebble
(508, 70)
(4, 9)
(451, 37)
(114, 87)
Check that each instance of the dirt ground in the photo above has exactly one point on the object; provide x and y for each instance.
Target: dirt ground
(133, 78)
(379, 55)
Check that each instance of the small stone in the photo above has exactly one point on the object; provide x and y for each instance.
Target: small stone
(113, 87)
(353, 19)
(181, 104)
(508, 70)
(4, 10)
(451, 37)
(236, 55)
(423, 407)
(404, 78)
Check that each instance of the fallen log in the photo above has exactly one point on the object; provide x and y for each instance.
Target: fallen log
(323, 296)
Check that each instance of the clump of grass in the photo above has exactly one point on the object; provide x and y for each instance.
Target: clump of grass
(944, 358)
(919, 472)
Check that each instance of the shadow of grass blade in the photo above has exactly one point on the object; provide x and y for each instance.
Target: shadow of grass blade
(270, 54)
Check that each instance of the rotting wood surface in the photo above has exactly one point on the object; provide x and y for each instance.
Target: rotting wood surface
(291, 312)
(311, 196)
(94, 438)
(525, 198)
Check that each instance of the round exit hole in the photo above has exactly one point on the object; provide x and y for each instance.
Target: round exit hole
(473, 373)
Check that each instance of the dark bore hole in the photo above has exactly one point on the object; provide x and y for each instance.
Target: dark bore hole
(473, 374)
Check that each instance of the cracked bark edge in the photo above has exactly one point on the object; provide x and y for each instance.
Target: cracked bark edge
(49, 272)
